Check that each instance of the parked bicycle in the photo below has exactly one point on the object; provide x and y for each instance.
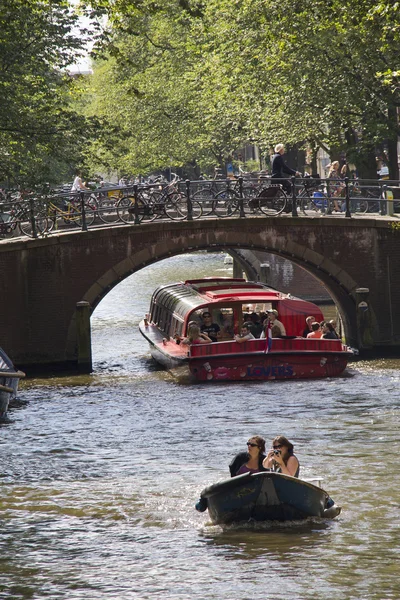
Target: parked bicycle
(316, 196)
(20, 215)
(269, 199)
(156, 202)
(107, 201)
(69, 211)
(213, 194)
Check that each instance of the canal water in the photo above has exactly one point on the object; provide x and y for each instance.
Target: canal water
(100, 474)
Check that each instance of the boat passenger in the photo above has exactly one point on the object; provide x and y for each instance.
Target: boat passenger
(307, 330)
(250, 461)
(213, 330)
(336, 186)
(316, 332)
(281, 457)
(334, 325)
(273, 319)
(276, 332)
(328, 332)
(245, 334)
(247, 313)
(194, 336)
(256, 326)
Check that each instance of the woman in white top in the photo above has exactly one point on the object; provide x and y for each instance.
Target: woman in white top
(78, 184)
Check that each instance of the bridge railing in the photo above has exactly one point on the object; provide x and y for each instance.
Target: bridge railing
(253, 196)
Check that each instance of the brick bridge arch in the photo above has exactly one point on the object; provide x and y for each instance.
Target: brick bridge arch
(47, 277)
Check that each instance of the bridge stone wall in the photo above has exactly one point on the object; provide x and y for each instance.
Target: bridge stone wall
(44, 279)
(281, 273)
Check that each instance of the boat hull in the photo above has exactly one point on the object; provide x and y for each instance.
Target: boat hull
(9, 380)
(265, 496)
(269, 367)
(254, 360)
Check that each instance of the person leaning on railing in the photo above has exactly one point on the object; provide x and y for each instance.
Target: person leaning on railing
(336, 185)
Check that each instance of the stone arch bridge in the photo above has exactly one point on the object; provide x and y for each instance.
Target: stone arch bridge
(43, 280)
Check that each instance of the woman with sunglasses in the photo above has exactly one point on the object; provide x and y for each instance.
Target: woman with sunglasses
(281, 458)
(250, 461)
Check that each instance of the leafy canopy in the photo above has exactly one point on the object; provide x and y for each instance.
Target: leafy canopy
(183, 81)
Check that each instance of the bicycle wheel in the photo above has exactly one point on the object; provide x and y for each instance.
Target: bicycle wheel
(226, 204)
(373, 196)
(107, 209)
(156, 205)
(305, 202)
(206, 198)
(51, 222)
(314, 203)
(25, 223)
(358, 206)
(91, 210)
(8, 224)
(175, 206)
(273, 205)
(126, 210)
(70, 214)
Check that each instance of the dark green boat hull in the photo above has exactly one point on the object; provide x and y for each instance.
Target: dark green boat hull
(265, 496)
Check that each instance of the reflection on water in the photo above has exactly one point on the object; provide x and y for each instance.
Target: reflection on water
(100, 474)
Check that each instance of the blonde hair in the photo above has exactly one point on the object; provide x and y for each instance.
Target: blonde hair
(193, 332)
(279, 147)
(334, 166)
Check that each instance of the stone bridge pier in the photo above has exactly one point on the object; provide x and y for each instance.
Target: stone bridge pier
(43, 280)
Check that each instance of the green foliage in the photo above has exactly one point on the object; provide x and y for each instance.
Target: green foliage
(184, 81)
(252, 166)
(40, 133)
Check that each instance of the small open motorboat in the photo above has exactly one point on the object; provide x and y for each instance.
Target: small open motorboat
(230, 301)
(265, 496)
(9, 380)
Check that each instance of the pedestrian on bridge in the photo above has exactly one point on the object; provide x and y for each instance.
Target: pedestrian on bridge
(280, 168)
(78, 184)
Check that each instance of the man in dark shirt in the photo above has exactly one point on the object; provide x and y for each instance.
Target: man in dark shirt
(279, 168)
(308, 329)
(255, 327)
(210, 328)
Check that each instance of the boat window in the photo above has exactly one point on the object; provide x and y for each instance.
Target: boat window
(168, 324)
(176, 327)
(155, 315)
(225, 319)
(223, 316)
(196, 316)
(161, 319)
(260, 308)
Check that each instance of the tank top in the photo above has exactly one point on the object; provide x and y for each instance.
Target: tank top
(244, 469)
(279, 470)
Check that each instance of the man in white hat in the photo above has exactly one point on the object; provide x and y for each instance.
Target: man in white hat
(273, 315)
(280, 168)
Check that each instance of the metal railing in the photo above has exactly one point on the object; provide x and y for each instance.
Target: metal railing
(244, 197)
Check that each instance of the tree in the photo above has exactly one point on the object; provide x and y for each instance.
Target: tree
(40, 133)
(194, 80)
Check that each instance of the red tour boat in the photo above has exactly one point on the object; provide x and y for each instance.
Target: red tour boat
(230, 303)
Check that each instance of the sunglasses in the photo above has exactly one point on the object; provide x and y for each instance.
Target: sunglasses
(252, 445)
(277, 447)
